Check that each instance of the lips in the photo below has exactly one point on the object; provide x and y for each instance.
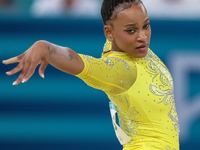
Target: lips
(142, 47)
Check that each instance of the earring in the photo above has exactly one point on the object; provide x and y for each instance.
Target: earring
(110, 39)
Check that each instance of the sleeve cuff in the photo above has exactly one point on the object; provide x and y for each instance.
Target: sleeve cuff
(85, 71)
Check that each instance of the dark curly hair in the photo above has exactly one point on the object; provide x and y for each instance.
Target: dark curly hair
(109, 6)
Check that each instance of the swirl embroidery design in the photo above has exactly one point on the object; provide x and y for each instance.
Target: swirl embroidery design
(126, 116)
(159, 71)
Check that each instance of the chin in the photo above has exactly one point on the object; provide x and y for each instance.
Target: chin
(141, 55)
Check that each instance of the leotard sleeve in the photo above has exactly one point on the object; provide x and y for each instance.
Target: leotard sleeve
(111, 74)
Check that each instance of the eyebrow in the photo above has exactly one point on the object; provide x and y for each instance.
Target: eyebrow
(133, 24)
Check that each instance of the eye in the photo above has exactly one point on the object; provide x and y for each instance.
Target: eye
(131, 30)
(146, 26)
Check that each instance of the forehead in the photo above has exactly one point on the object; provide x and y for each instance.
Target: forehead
(134, 14)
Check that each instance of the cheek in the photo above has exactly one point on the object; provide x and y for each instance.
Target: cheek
(148, 34)
(122, 38)
(119, 35)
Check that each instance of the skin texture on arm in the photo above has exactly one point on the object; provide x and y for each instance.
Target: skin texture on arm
(43, 53)
(65, 59)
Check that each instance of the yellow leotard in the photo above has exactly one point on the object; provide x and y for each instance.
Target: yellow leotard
(142, 90)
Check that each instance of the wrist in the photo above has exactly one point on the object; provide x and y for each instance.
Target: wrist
(44, 45)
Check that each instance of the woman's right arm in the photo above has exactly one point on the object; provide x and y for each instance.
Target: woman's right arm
(43, 53)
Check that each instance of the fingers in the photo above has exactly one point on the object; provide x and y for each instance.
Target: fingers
(28, 61)
(18, 68)
(28, 71)
(42, 68)
(22, 74)
(14, 60)
(10, 61)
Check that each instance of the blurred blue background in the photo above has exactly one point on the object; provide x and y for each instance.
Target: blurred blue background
(61, 111)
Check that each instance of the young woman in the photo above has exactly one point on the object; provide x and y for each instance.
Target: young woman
(136, 81)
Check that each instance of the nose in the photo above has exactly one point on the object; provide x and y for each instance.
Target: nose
(141, 36)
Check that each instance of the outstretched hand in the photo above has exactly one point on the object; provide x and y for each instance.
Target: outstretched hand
(37, 54)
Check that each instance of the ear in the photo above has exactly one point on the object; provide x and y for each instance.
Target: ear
(108, 31)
